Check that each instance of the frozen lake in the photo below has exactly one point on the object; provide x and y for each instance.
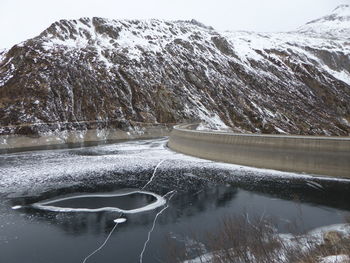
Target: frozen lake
(184, 195)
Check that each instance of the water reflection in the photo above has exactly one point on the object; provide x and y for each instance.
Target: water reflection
(331, 193)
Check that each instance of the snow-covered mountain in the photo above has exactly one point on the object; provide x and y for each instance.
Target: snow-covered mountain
(125, 73)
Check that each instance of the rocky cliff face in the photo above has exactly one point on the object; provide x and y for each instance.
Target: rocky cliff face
(90, 73)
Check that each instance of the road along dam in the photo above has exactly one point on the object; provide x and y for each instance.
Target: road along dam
(329, 156)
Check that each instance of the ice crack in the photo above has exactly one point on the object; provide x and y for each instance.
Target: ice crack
(153, 175)
(171, 193)
(117, 221)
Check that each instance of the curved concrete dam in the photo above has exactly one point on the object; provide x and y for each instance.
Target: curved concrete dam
(329, 156)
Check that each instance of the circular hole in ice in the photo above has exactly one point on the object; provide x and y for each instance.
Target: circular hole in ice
(127, 202)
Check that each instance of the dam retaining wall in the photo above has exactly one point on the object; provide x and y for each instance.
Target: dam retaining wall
(329, 156)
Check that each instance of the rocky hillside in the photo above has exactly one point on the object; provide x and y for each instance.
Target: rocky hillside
(95, 72)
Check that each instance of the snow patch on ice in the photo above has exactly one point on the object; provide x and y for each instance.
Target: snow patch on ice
(119, 220)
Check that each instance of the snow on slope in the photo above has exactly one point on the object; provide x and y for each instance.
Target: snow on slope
(253, 46)
(136, 37)
(139, 36)
(315, 35)
(2, 54)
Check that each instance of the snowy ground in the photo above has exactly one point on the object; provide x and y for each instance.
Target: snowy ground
(129, 162)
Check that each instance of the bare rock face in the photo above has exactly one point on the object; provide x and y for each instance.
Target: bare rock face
(96, 73)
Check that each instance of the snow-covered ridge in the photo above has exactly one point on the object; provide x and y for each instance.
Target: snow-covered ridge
(135, 36)
(155, 34)
(335, 25)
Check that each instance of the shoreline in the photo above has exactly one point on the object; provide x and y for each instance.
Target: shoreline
(55, 139)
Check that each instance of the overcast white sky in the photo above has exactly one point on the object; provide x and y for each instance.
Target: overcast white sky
(23, 19)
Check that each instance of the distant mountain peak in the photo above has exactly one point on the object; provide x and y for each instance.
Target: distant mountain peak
(335, 25)
(200, 24)
(342, 8)
(342, 12)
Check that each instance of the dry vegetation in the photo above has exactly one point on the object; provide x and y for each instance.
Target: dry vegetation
(243, 240)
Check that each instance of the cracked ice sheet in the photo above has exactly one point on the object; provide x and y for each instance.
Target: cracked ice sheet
(29, 172)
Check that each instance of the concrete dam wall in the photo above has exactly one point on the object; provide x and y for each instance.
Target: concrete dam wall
(329, 156)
